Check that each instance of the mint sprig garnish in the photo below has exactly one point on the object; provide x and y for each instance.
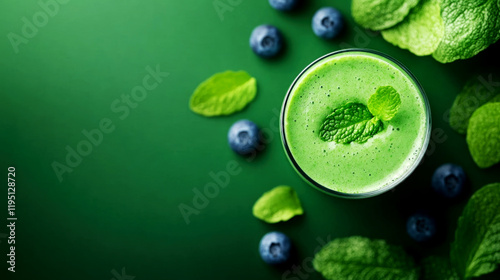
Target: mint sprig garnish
(355, 122)
(352, 122)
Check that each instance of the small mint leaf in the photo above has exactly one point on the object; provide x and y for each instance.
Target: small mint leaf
(350, 123)
(223, 94)
(384, 103)
(277, 205)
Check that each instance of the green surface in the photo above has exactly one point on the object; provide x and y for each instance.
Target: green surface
(120, 206)
(326, 112)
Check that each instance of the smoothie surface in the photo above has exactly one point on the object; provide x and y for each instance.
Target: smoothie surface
(354, 168)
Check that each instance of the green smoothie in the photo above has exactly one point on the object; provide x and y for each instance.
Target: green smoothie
(354, 169)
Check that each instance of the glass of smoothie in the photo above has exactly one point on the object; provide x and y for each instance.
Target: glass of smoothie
(354, 170)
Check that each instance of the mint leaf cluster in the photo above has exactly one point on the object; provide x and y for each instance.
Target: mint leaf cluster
(356, 122)
(474, 252)
(476, 92)
(476, 112)
(446, 29)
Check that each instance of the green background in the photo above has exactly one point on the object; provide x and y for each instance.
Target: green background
(119, 207)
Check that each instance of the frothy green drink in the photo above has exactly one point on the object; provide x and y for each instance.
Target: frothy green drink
(354, 170)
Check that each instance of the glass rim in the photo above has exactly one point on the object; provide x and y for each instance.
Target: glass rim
(393, 184)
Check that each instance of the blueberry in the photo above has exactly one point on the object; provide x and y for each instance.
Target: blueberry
(421, 227)
(327, 23)
(283, 5)
(275, 248)
(243, 137)
(266, 40)
(449, 180)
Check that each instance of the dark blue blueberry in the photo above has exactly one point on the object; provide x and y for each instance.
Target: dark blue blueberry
(266, 40)
(275, 248)
(327, 23)
(421, 227)
(243, 137)
(283, 5)
(449, 180)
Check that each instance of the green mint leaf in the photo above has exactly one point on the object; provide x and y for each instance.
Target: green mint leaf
(361, 258)
(381, 14)
(223, 94)
(278, 204)
(350, 123)
(469, 28)
(438, 268)
(421, 31)
(483, 135)
(384, 103)
(475, 93)
(476, 249)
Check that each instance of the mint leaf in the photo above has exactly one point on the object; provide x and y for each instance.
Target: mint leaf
(474, 94)
(438, 268)
(421, 31)
(361, 258)
(353, 122)
(278, 204)
(469, 28)
(350, 123)
(223, 94)
(384, 103)
(381, 14)
(476, 249)
(483, 135)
